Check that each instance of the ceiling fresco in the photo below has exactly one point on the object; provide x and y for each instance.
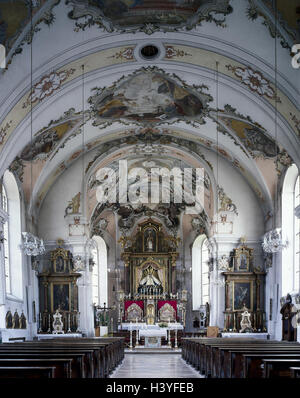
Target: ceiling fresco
(149, 95)
(287, 25)
(29, 164)
(15, 19)
(148, 16)
(254, 138)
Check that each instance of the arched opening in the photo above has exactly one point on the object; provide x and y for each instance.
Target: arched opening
(200, 272)
(99, 275)
(290, 232)
(12, 237)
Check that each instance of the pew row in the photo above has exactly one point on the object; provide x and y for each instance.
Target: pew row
(240, 358)
(70, 358)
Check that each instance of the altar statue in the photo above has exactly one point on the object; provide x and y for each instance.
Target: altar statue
(149, 242)
(245, 322)
(150, 281)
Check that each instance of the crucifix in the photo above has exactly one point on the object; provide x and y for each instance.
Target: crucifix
(102, 314)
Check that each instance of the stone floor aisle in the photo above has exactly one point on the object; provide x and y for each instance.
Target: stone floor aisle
(154, 365)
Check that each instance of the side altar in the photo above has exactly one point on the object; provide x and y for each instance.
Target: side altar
(149, 294)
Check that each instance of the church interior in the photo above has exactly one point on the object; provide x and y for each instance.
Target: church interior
(116, 116)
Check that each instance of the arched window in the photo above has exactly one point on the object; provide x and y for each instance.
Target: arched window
(200, 272)
(99, 276)
(6, 241)
(12, 237)
(290, 232)
(297, 230)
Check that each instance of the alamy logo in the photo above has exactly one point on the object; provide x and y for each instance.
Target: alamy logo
(141, 186)
(296, 58)
(2, 57)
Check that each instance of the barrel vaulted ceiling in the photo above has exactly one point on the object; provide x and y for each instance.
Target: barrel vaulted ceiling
(77, 84)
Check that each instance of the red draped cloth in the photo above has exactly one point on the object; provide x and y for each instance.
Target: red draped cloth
(128, 303)
(173, 303)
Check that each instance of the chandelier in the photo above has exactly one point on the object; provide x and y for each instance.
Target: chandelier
(272, 241)
(32, 246)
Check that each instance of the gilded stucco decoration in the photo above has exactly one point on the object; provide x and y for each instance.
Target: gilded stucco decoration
(172, 52)
(3, 131)
(47, 85)
(225, 203)
(124, 54)
(255, 81)
(147, 16)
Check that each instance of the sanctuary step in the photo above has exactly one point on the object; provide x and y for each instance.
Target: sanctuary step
(146, 350)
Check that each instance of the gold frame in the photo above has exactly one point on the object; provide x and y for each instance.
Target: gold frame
(251, 292)
(152, 227)
(60, 252)
(150, 261)
(52, 283)
(237, 255)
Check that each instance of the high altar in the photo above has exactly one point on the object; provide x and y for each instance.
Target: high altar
(150, 275)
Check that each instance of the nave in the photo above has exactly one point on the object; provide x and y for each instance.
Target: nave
(156, 365)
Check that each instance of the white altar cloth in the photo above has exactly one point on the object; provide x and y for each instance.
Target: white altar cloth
(144, 326)
(162, 332)
(57, 336)
(262, 336)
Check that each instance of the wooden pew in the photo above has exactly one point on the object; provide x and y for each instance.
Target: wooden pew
(90, 357)
(219, 357)
(279, 367)
(107, 352)
(28, 372)
(77, 364)
(62, 366)
(83, 361)
(295, 372)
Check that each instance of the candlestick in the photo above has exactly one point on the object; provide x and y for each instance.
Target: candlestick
(130, 344)
(40, 323)
(69, 323)
(234, 322)
(49, 324)
(78, 322)
(176, 346)
(137, 337)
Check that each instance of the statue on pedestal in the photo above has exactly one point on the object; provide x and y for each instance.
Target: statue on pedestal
(246, 322)
(57, 323)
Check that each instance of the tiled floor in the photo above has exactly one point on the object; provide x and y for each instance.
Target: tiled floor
(154, 365)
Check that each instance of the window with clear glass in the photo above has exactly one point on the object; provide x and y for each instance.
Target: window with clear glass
(205, 273)
(99, 275)
(13, 267)
(4, 206)
(200, 272)
(290, 232)
(297, 233)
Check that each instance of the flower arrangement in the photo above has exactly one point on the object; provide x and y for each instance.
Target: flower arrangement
(163, 325)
